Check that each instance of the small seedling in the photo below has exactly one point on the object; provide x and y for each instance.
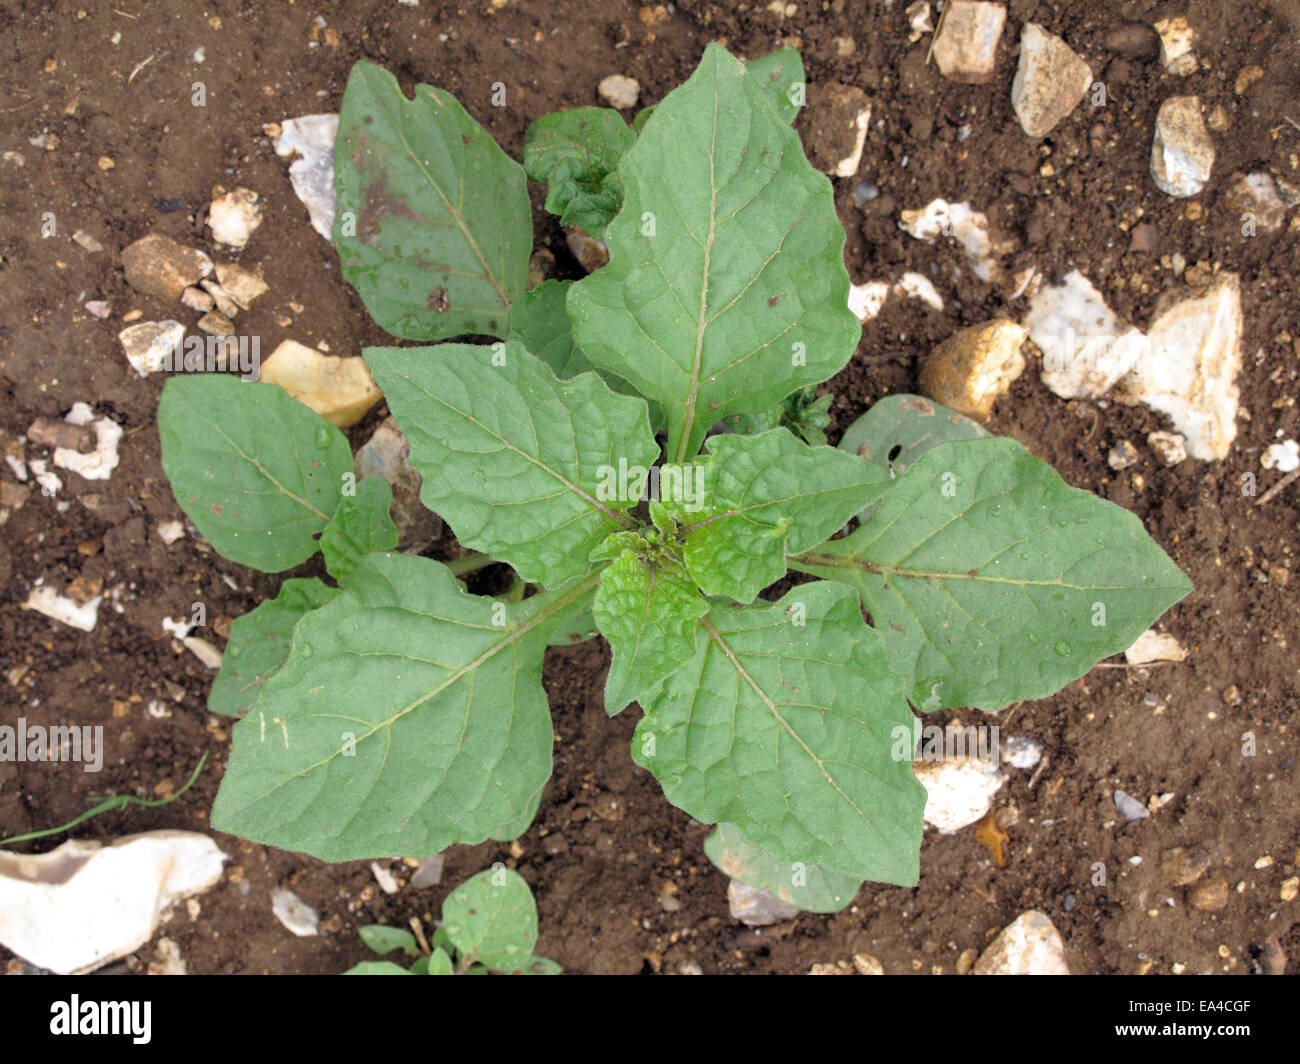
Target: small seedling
(489, 924)
(625, 444)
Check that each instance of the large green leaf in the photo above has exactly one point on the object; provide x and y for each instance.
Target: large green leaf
(361, 525)
(258, 473)
(649, 609)
(763, 495)
(259, 643)
(433, 226)
(813, 888)
(575, 154)
(726, 288)
(780, 75)
(492, 918)
(409, 716)
(992, 580)
(512, 457)
(782, 725)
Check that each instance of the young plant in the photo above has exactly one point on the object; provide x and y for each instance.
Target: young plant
(400, 714)
(489, 924)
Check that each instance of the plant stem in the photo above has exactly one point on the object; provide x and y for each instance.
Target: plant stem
(469, 563)
(119, 801)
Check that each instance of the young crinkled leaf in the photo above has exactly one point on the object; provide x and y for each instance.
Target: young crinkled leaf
(802, 412)
(259, 643)
(575, 154)
(492, 918)
(782, 725)
(764, 495)
(813, 888)
(991, 580)
(726, 289)
(360, 526)
(433, 226)
(258, 473)
(409, 716)
(649, 609)
(512, 457)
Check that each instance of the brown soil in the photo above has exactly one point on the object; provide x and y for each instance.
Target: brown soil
(605, 842)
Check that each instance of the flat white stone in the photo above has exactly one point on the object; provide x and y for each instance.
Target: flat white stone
(959, 791)
(1030, 945)
(83, 904)
(47, 601)
(1086, 348)
(312, 173)
(1189, 368)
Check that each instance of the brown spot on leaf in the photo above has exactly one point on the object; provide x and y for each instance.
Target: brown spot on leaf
(438, 300)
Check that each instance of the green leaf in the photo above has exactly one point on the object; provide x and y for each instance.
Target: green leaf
(541, 966)
(492, 918)
(540, 322)
(258, 473)
(376, 968)
(782, 725)
(642, 117)
(575, 154)
(513, 458)
(259, 643)
(649, 609)
(382, 939)
(781, 77)
(360, 526)
(992, 580)
(905, 427)
(802, 412)
(764, 495)
(433, 226)
(409, 716)
(740, 296)
(578, 629)
(515, 827)
(813, 888)
(439, 963)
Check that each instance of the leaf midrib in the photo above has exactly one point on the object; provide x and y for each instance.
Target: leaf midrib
(617, 516)
(452, 211)
(712, 632)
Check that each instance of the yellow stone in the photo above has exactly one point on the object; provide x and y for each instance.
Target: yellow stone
(975, 365)
(339, 389)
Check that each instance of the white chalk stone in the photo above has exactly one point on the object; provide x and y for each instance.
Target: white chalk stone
(83, 904)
